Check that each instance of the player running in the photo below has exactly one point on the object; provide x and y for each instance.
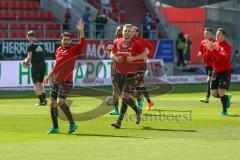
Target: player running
(142, 69)
(207, 59)
(126, 53)
(221, 54)
(62, 72)
(116, 93)
(36, 56)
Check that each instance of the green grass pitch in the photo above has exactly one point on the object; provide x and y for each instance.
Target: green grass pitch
(197, 135)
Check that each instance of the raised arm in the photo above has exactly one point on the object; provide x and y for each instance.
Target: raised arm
(78, 46)
(80, 27)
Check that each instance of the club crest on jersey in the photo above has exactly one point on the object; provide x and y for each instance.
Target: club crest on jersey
(65, 52)
(222, 49)
(125, 45)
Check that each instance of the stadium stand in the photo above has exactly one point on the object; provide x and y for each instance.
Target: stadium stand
(18, 16)
(116, 13)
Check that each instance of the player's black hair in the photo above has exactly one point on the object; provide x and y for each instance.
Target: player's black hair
(209, 30)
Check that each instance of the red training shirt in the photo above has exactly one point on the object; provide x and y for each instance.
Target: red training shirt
(124, 49)
(206, 53)
(65, 61)
(147, 45)
(221, 57)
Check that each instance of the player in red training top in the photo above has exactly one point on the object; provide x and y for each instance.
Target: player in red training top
(202, 51)
(126, 53)
(108, 48)
(62, 72)
(141, 87)
(118, 34)
(221, 54)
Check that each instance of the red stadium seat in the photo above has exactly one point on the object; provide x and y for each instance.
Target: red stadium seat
(7, 4)
(13, 26)
(29, 11)
(51, 35)
(35, 5)
(36, 15)
(3, 34)
(22, 34)
(31, 26)
(22, 26)
(39, 26)
(28, 5)
(14, 4)
(21, 5)
(21, 14)
(52, 26)
(1, 4)
(18, 34)
(49, 15)
(58, 26)
(13, 35)
(74, 35)
(34, 26)
(58, 35)
(7, 14)
(43, 15)
(28, 14)
(1, 14)
(48, 26)
(114, 7)
(3, 26)
(14, 14)
(47, 34)
(123, 17)
(39, 35)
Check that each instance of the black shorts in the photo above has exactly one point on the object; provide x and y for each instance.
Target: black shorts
(38, 72)
(140, 74)
(61, 90)
(124, 82)
(220, 80)
(118, 82)
(209, 70)
(130, 83)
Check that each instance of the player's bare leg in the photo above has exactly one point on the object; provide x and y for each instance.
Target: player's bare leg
(127, 100)
(115, 100)
(42, 89)
(144, 91)
(206, 99)
(38, 91)
(65, 108)
(225, 99)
